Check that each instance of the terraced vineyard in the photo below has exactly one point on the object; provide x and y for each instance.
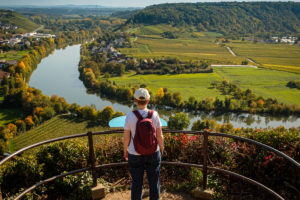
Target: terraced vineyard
(59, 126)
(282, 57)
(188, 46)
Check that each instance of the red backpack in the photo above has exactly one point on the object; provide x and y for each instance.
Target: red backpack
(145, 142)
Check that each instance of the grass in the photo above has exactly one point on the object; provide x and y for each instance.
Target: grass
(58, 126)
(13, 55)
(187, 84)
(8, 115)
(263, 82)
(275, 56)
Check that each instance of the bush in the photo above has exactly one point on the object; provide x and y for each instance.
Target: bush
(179, 121)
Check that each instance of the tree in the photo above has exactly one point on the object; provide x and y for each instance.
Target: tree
(29, 122)
(177, 98)
(49, 112)
(120, 69)
(179, 121)
(12, 130)
(245, 62)
(160, 93)
(20, 125)
(88, 113)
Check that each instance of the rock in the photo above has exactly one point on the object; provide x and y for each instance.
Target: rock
(203, 194)
(98, 192)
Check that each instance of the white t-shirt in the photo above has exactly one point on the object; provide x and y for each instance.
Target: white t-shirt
(130, 124)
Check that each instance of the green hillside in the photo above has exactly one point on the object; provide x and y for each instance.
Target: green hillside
(239, 18)
(14, 18)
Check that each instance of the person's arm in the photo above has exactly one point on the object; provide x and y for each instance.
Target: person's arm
(160, 140)
(126, 140)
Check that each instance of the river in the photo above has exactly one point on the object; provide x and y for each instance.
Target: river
(58, 74)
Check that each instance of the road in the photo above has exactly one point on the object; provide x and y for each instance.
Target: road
(229, 49)
(39, 28)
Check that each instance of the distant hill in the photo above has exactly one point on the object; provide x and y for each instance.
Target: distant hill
(14, 18)
(226, 17)
(83, 10)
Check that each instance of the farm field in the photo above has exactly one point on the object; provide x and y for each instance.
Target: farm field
(188, 45)
(8, 115)
(58, 126)
(263, 82)
(275, 56)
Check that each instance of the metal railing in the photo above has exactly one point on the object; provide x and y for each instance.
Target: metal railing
(92, 160)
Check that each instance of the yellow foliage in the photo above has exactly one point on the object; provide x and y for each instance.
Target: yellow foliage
(28, 121)
(260, 103)
(12, 129)
(51, 40)
(160, 93)
(39, 111)
(21, 65)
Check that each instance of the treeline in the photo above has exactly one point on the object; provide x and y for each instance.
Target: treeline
(168, 66)
(293, 84)
(229, 18)
(60, 24)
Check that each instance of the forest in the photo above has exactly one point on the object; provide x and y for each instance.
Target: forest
(228, 18)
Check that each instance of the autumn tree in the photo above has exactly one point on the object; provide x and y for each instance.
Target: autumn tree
(160, 93)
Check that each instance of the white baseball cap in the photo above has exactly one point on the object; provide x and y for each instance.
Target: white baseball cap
(141, 94)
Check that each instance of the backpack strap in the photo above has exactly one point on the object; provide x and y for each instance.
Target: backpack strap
(138, 115)
(150, 113)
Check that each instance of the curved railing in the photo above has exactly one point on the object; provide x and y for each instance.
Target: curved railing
(92, 164)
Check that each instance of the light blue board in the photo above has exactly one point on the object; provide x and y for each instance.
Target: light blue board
(119, 122)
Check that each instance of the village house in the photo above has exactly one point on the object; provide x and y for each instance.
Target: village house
(14, 41)
(286, 39)
(110, 49)
(4, 42)
(11, 62)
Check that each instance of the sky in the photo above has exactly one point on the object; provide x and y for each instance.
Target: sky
(109, 3)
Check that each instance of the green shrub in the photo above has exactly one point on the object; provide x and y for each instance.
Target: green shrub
(179, 121)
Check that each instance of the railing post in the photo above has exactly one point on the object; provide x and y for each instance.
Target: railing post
(0, 193)
(205, 150)
(92, 159)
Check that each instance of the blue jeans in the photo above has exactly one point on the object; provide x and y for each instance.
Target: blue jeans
(137, 166)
